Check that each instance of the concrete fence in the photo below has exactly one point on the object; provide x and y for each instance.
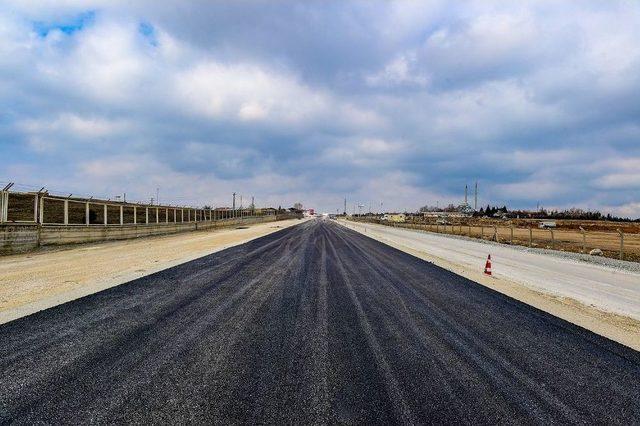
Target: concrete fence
(31, 220)
(42, 208)
(618, 244)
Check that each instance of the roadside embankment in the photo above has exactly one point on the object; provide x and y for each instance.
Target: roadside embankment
(603, 299)
(30, 282)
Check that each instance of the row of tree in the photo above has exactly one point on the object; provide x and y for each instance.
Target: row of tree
(572, 213)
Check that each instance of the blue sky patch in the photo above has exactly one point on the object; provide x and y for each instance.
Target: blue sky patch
(69, 26)
(147, 30)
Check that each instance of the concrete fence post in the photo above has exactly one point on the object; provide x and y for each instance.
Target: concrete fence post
(135, 215)
(2, 205)
(86, 214)
(121, 215)
(495, 234)
(621, 243)
(66, 212)
(6, 206)
(584, 240)
(104, 214)
(41, 210)
(35, 208)
(146, 215)
(530, 236)
(553, 240)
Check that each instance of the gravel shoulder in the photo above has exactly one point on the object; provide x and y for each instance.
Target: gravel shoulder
(35, 281)
(603, 297)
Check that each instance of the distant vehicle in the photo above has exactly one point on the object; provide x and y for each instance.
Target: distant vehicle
(546, 225)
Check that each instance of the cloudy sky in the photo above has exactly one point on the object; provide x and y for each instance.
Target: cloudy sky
(394, 102)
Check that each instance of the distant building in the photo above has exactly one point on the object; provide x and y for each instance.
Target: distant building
(401, 217)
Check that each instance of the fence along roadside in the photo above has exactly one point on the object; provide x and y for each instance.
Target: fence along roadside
(618, 244)
(45, 209)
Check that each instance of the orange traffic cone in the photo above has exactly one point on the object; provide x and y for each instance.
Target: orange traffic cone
(487, 266)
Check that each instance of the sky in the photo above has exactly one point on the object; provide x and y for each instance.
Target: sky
(392, 104)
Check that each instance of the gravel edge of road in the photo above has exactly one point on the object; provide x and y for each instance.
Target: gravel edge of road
(619, 328)
(622, 265)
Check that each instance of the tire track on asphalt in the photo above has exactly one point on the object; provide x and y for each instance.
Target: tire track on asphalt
(495, 368)
(402, 412)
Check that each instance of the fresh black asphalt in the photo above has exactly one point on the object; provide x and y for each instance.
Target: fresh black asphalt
(313, 324)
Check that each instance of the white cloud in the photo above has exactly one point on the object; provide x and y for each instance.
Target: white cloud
(407, 99)
(75, 125)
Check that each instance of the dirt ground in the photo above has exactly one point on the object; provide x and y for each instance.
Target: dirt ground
(620, 328)
(34, 281)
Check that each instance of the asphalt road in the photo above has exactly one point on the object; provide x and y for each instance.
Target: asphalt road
(312, 324)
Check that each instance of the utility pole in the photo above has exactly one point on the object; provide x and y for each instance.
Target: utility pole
(475, 203)
(234, 204)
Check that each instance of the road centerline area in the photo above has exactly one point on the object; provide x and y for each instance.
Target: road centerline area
(311, 324)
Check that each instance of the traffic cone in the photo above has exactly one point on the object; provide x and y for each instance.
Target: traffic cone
(487, 266)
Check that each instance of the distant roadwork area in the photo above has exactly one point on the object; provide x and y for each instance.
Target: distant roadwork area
(315, 323)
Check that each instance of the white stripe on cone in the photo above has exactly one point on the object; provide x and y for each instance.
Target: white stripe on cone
(487, 266)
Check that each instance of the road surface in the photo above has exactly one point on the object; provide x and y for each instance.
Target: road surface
(312, 324)
(607, 288)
